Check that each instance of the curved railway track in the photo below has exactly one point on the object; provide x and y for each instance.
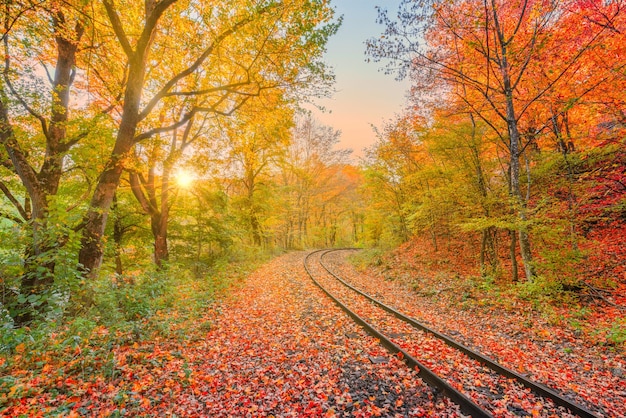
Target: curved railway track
(438, 358)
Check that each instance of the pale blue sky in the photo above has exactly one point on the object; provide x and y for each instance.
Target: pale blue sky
(365, 96)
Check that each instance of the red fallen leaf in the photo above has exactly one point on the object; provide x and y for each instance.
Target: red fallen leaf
(308, 371)
(400, 355)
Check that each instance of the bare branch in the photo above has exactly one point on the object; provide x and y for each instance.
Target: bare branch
(45, 68)
(519, 22)
(561, 75)
(227, 87)
(185, 118)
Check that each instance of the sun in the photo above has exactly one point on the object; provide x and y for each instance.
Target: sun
(184, 178)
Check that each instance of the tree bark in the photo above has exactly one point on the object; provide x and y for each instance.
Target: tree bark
(118, 235)
(514, 144)
(514, 154)
(41, 186)
(513, 256)
(92, 251)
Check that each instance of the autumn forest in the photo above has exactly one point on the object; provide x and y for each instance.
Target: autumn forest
(156, 155)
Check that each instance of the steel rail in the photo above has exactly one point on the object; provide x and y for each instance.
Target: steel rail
(465, 403)
(538, 388)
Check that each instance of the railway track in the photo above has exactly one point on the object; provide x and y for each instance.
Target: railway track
(442, 362)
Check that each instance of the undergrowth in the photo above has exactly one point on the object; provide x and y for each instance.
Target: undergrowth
(175, 303)
(558, 300)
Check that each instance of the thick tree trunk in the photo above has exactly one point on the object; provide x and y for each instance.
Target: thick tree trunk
(256, 228)
(92, 251)
(118, 235)
(40, 186)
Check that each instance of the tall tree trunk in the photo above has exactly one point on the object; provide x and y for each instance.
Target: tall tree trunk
(255, 227)
(161, 252)
(157, 209)
(160, 221)
(483, 252)
(515, 150)
(43, 185)
(565, 149)
(488, 247)
(253, 217)
(524, 238)
(92, 251)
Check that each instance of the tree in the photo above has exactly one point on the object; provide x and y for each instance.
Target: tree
(389, 165)
(246, 48)
(486, 53)
(310, 175)
(151, 177)
(36, 130)
(256, 142)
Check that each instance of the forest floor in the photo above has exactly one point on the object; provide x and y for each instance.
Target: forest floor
(277, 346)
(550, 344)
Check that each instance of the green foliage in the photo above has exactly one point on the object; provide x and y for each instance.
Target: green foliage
(541, 291)
(11, 256)
(617, 332)
(203, 229)
(368, 257)
(128, 298)
(125, 309)
(157, 299)
(59, 243)
(34, 337)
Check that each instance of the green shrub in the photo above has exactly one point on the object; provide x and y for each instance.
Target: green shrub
(540, 289)
(368, 257)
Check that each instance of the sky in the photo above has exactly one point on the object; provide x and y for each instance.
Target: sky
(365, 95)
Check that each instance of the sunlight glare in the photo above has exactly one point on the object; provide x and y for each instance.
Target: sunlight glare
(184, 179)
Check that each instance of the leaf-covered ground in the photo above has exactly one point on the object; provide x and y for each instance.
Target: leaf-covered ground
(541, 344)
(278, 347)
